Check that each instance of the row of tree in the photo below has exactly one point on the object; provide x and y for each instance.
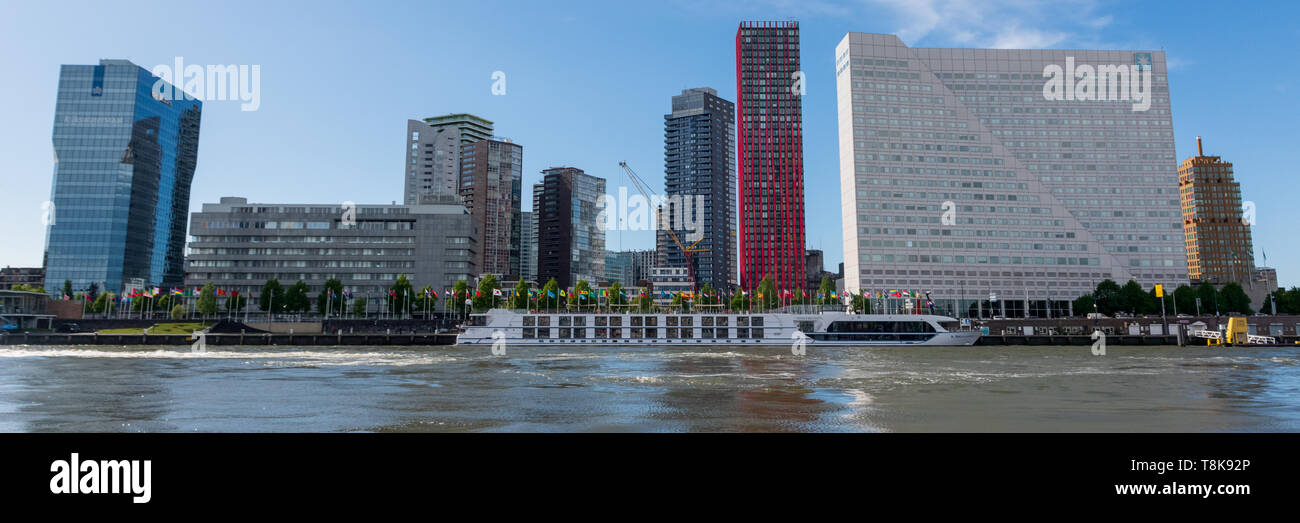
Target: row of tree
(1110, 298)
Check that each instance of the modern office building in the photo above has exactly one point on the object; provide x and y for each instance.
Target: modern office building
(433, 153)
(570, 240)
(620, 268)
(973, 172)
(769, 137)
(528, 246)
(815, 268)
(1215, 229)
(238, 246)
(491, 184)
(26, 276)
(700, 171)
(123, 163)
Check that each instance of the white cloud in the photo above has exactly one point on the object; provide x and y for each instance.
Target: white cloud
(1023, 24)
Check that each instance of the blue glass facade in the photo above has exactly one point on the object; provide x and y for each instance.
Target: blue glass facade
(123, 163)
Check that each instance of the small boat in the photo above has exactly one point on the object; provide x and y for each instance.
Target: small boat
(538, 328)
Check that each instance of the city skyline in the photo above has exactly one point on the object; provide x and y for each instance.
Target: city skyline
(370, 173)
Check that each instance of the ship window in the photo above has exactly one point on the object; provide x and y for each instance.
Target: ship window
(565, 321)
(757, 333)
(635, 321)
(616, 333)
(742, 321)
(530, 321)
(706, 333)
(543, 321)
(671, 321)
(672, 332)
(579, 333)
(637, 332)
(615, 321)
(602, 333)
(805, 326)
(706, 321)
(543, 333)
(579, 321)
(600, 321)
(652, 333)
(756, 321)
(742, 333)
(722, 321)
(530, 333)
(721, 333)
(686, 333)
(651, 321)
(566, 333)
(478, 320)
(687, 321)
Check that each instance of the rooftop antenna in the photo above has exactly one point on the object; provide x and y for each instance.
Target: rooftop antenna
(1199, 152)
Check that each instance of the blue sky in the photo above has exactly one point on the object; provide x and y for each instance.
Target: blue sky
(588, 83)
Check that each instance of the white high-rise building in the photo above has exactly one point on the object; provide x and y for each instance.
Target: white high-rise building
(979, 172)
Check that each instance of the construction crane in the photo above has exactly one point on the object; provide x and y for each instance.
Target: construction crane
(687, 251)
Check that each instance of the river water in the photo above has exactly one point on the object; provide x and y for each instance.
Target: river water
(319, 389)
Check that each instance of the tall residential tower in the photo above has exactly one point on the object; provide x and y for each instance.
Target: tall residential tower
(570, 239)
(433, 153)
(700, 167)
(769, 134)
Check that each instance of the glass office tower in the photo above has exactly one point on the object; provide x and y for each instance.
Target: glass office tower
(123, 162)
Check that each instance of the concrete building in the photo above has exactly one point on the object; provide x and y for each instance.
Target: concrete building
(123, 162)
(528, 246)
(700, 171)
(769, 138)
(642, 262)
(1215, 229)
(570, 240)
(238, 246)
(433, 153)
(491, 183)
(971, 172)
(28, 276)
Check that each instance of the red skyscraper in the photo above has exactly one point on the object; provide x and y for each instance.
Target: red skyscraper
(769, 138)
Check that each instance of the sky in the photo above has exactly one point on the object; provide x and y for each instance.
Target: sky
(587, 85)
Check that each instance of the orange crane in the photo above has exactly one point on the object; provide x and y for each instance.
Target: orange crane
(687, 251)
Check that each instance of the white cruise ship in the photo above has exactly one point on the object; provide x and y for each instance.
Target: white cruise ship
(519, 328)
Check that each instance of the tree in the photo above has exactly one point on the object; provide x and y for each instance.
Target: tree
(520, 299)
(827, 287)
(740, 301)
(1234, 299)
(93, 291)
(236, 302)
(1209, 298)
(28, 288)
(1083, 305)
(272, 296)
(100, 303)
(1185, 299)
(207, 303)
(644, 302)
(485, 298)
(326, 302)
(1107, 297)
(178, 312)
(581, 295)
(359, 307)
(295, 297)
(766, 294)
(861, 303)
(1132, 299)
(67, 288)
(616, 296)
(550, 295)
(459, 293)
(707, 296)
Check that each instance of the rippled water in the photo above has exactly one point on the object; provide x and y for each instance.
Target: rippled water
(314, 389)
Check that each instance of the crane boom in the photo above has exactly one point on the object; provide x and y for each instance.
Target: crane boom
(687, 251)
